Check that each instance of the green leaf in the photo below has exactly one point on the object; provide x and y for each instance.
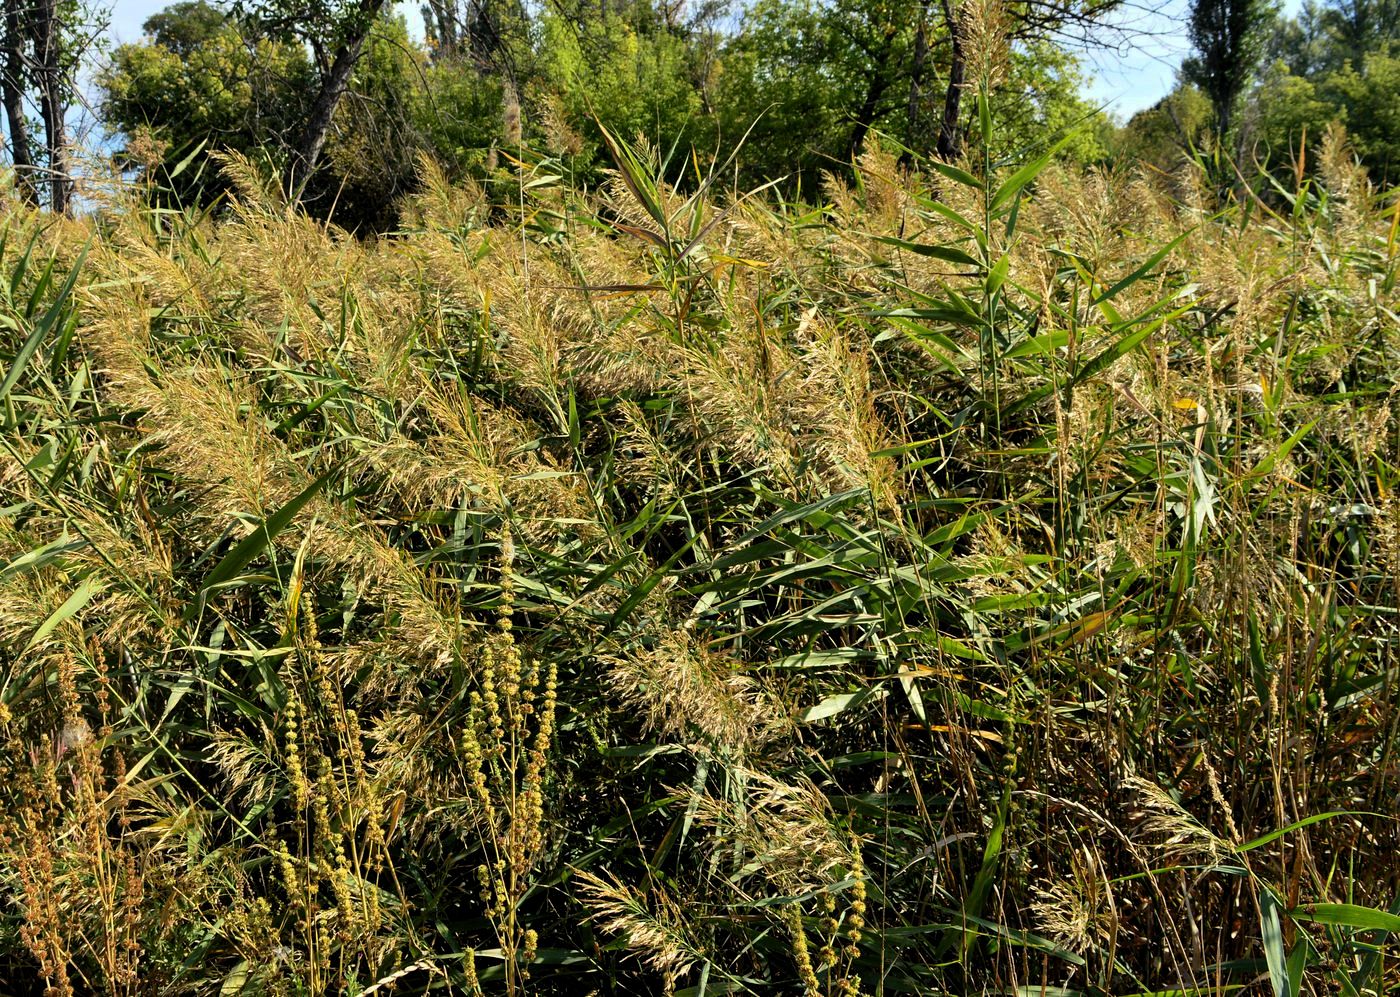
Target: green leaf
(1296, 825)
(1026, 174)
(638, 594)
(1372, 959)
(41, 328)
(997, 275)
(1047, 342)
(991, 860)
(1274, 954)
(1123, 346)
(834, 705)
(236, 979)
(183, 164)
(1266, 463)
(957, 175)
(630, 169)
(38, 557)
(253, 544)
(81, 596)
(949, 312)
(1297, 963)
(949, 254)
(1143, 270)
(951, 356)
(939, 208)
(1348, 916)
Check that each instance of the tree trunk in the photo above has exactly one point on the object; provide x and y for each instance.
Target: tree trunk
(916, 86)
(445, 22)
(334, 84)
(12, 92)
(879, 83)
(949, 134)
(48, 56)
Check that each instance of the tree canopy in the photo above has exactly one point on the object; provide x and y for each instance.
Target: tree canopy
(343, 101)
(805, 87)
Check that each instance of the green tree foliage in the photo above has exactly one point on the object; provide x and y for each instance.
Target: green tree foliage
(798, 117)
(1168, 132)
(336, 32)
(184, 27)
(1298, 42)
(811, 84)
(1043, 100)
(1294, 112)
(813, 121)
(201, 79)
(1294, 116)
(372, 152)
(639, 81)
(1338, 62)
(198, 79)
(458, 112)
(1228, 37)
(1369, 96)
(1355, 28)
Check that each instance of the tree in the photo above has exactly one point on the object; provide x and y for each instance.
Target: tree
(335, 31)
(198, 79)
(972, 24)
(459, 112)
(636, 81)
(1294, 112)
(804, 121)
(1295, 115)
(182, 28)
(486, 33)
(1367, 97)
(372, 159)
(44, 41)
(1228, 38)
(1042, 97)
(949, 127)
(1166, 134)
(12, 89)
(52, 84)
(1301, 43)
(1337, 61)
(816, 80)
(917, 70)
(1355, 28)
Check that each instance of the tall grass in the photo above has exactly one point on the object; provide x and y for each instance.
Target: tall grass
(986, 582)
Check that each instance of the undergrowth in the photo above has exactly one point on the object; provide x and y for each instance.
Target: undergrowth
(983, 583)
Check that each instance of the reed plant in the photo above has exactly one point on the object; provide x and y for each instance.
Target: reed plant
(984, 581)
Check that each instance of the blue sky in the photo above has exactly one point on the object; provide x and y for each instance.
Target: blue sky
(1126, 78)
(128, 15)
(1141, 68)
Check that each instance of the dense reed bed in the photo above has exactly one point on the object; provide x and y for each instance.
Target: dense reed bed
(984, 583)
